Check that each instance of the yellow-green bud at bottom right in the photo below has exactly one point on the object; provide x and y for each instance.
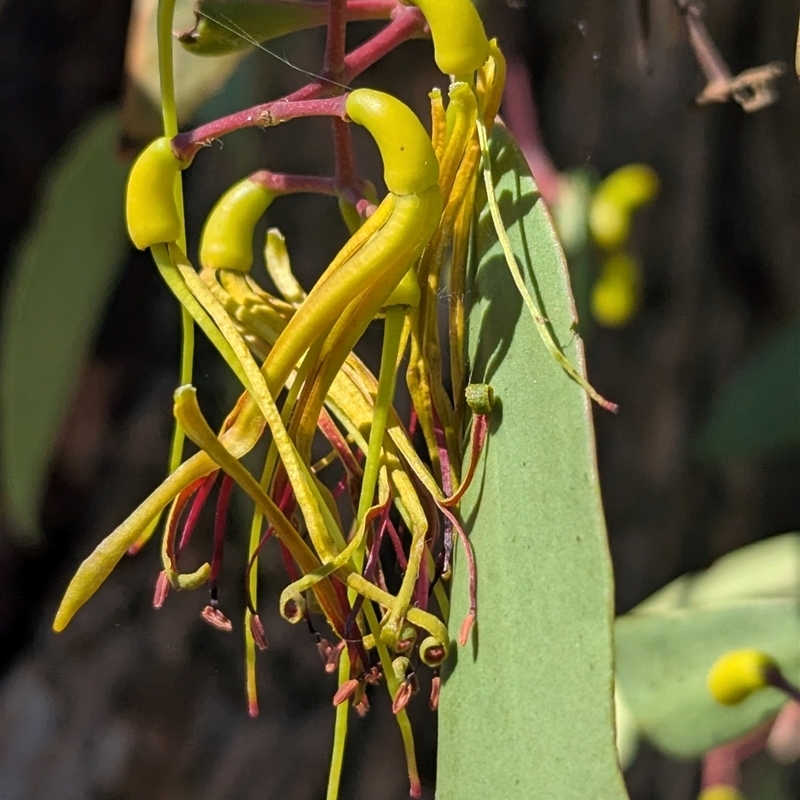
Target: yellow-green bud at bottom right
(739, 673)
(721, 793)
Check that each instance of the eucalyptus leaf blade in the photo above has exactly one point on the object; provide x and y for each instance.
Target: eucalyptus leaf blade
(61, 275)
(663, 660)
(534, 686)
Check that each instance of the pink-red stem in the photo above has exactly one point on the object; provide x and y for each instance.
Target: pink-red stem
(519, 109)
(407, 22)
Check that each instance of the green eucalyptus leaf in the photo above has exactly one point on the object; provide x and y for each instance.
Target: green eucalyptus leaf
(757, 412)
(61, 277)
(527, 709)
(223, 27)
(663, 660)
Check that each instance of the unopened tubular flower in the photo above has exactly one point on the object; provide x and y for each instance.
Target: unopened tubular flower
(615, 200)
(739, 673)
(616, 294)
(721, 793)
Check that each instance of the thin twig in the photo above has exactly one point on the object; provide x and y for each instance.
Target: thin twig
(752, 89)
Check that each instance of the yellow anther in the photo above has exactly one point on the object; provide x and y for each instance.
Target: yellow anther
(739, 673)
(227, 240)
(409, 161)
(150, 208)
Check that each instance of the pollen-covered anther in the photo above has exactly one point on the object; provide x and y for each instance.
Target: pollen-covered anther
(216, 619)
(436, 687)
(333, 657)
(738, 673)
(257, 631)
(403, 696)
(346, 691)
(161, 590)
(466, 628)
(362, 706)
(324, 648)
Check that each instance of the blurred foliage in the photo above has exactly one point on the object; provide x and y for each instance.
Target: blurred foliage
(757, 412)
(595, 219)
(666, 646)
(60, 280)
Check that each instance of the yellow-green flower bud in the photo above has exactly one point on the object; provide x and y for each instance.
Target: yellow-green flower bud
(460, 45)
(150, 207)
(227, 239)
(400, 667)
(739, 673)
(615, 296)
(721, 793)
(409, 162)
(617, 197)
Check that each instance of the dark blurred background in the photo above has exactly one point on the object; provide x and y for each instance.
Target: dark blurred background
(130, 703)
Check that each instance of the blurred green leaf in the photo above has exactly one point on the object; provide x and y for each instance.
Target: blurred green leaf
(758, 412)
(764, 779)
(60, 280)
(766, 569)
(663, 660)
(666, 645)
(527, 710)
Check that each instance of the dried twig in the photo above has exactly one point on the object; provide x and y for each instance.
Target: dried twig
(752, 89)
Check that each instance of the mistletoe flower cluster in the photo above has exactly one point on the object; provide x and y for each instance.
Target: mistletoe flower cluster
(294, 355)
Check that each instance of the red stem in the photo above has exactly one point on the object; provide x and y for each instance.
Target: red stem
(407, 22)
(294, 184)
(334, 44)
(220, 524)
(721, 765)
(194, 512)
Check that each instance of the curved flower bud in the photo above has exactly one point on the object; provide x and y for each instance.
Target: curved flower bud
(460, 45)
(227, 238)
(617, 197)
(150, 209)
(409, 161)
(739, 673)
